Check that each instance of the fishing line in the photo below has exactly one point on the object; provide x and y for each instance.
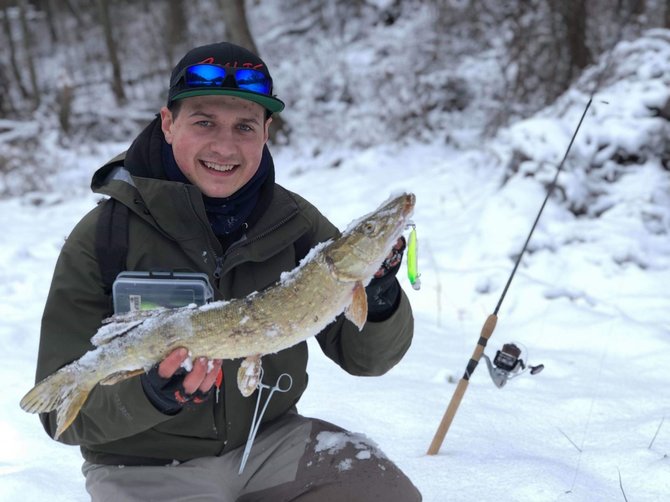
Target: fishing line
(550, 191)
(554, 182)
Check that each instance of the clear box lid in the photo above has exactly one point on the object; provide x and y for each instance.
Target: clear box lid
(138, 290)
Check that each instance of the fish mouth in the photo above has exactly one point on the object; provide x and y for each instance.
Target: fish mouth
(406, 210)
(408, 204)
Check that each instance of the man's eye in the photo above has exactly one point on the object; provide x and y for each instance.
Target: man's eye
(245, 127)
(204, 123)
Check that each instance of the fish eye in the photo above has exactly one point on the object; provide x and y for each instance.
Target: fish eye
(369, 228)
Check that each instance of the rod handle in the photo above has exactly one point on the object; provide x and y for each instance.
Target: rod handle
(448, 417)
(450, 412)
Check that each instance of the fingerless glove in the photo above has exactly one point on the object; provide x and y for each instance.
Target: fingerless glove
(167, 394)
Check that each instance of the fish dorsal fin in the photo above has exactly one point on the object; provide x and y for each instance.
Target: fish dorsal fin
(357, 310)
(120, 376)
(120, 324)
(108, 332)
(249, 375)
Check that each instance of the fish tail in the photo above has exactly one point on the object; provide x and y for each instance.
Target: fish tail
(60, 392)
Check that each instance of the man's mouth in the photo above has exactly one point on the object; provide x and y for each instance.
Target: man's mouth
(215, 166)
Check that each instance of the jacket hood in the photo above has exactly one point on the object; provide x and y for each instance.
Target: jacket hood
(142, 159)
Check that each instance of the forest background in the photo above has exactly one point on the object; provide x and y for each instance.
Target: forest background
(356, 73)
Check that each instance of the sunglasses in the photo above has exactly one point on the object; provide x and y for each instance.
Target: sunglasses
(211, 75)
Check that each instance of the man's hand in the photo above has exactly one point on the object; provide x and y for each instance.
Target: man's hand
(383, 292)
(198, 378)
(392, 261)
(169, 386)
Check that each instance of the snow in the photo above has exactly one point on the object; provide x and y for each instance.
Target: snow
(286, 278)
(187, 363)
(590, 301)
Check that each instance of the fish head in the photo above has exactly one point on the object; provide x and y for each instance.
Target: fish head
(366, 242)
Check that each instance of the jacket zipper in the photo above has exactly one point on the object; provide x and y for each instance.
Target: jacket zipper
(240, 243)
(218, 272)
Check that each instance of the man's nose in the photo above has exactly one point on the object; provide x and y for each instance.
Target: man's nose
(223, 143)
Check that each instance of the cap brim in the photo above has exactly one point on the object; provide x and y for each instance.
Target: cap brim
(269, 102)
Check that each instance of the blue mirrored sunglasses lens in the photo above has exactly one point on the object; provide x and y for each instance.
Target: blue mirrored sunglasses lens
(252, 80)
(205, 75)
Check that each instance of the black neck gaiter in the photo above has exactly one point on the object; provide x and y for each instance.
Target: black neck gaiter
(227, 214)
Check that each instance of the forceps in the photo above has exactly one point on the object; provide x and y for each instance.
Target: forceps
(256, 420)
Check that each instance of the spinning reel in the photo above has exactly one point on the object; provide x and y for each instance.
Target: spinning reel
(508, 364)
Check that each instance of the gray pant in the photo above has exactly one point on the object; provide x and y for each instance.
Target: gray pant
(296, 458)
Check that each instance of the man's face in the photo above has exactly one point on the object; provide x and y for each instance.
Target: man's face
(217, 141)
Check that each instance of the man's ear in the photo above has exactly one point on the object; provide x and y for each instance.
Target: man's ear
(166, 124)
(266, 134)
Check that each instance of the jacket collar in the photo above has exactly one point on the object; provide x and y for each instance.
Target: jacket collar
(178, 212)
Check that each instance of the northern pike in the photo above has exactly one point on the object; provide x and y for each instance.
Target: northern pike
(330, 280)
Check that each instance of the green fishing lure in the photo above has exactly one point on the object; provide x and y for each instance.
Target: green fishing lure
(412, 259)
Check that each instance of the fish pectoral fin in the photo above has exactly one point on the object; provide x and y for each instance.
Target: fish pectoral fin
(357, 310)
(120, 376)
(249, 375)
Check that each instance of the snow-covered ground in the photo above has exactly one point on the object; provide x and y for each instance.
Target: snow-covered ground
(590, 302)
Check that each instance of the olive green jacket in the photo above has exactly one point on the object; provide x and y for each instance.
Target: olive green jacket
(168, 230)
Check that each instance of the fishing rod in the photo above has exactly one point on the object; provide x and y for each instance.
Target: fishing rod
(492, 319)
(500, 375)
(507, 361)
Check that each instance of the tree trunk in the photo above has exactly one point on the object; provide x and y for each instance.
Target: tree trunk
(6, 107)
(237, 27)
(64, 100)
(574, 17)
(75, 13)
(7, 26)
(176, 20)
(637, 7)
(112, 50)
(571, 33)
(50, 14)
(28, 52)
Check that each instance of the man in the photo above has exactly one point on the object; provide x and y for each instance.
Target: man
(199, 186)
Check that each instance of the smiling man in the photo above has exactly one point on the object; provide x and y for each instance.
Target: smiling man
(196, 192)
(217, 141)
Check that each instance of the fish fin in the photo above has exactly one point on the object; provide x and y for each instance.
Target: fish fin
(357, 310)
(44, 396)
(69, 407)
(134, 315)
(120, 376)
(120, 324)
(110, 331)
(249, 375)
(60, 392)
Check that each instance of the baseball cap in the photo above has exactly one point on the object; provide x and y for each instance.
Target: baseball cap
(229, 56)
